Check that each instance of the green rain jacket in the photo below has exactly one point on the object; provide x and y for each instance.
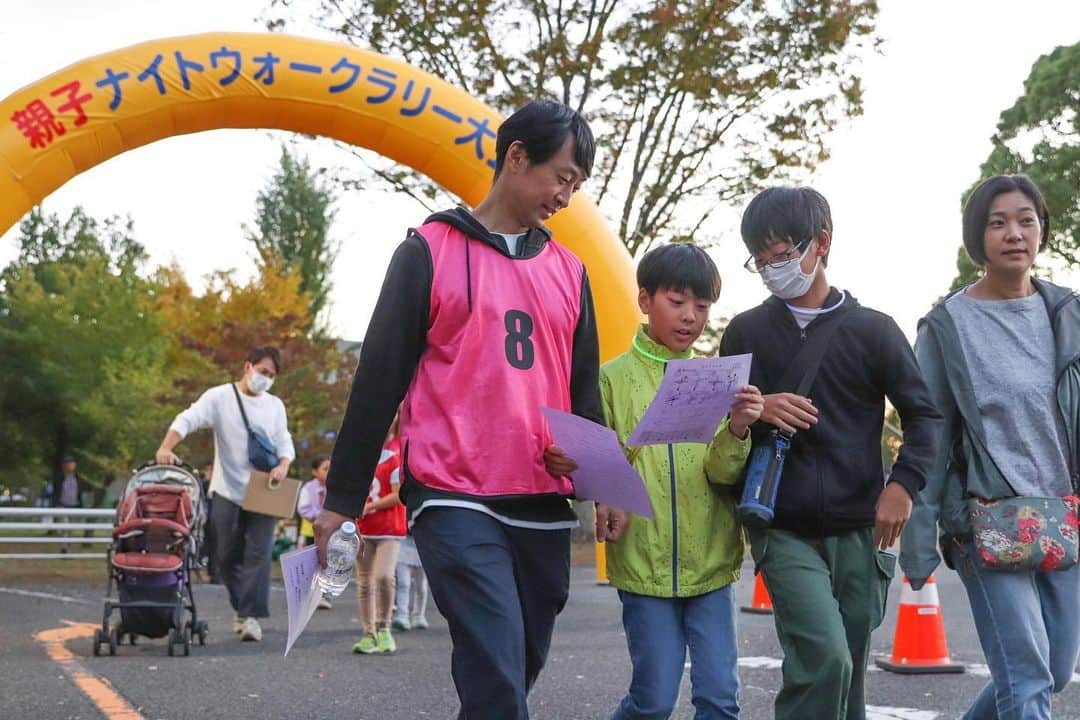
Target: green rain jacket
(695, 544)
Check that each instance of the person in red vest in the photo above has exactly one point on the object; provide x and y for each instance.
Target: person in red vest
(381, 528)
(483, 319)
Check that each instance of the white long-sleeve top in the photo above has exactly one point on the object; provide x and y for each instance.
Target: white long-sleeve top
(217, 409)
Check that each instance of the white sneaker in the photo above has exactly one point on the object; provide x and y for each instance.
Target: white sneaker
(324, 604)
(237, 624)
(251, 631)
(419, 623)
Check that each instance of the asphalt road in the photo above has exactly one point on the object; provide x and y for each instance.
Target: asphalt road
(47, 669)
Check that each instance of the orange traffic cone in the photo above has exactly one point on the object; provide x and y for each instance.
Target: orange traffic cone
(762, 603)
(919, 644)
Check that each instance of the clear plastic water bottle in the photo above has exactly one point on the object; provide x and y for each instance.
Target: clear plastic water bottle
(341, 553)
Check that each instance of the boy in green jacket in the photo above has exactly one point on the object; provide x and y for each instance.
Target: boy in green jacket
(674, 573)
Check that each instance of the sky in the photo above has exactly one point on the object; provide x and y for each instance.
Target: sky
(933, 94)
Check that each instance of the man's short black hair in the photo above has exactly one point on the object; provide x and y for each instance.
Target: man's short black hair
(784, 214)
(977, 211)
(679, 267)
(319, 460)
(542, 126)
(258, 353)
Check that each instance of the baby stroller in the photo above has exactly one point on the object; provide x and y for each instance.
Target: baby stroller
(157, 526)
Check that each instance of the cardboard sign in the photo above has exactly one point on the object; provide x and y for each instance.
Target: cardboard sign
(271, 497)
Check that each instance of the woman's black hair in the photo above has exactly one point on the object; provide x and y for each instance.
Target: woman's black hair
(542, 127)
(679, 267)
(977, 211)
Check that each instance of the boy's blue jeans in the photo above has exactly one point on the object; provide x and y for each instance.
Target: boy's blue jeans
(1029, 628)
(658, 632)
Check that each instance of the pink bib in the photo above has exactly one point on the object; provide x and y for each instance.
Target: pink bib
(471, 420)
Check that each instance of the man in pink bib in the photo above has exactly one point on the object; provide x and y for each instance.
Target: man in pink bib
(483, 319)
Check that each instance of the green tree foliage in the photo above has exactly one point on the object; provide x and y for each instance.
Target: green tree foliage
(294, 212)
(967, 272)
(99, 353)
(1040, 137)
(693, 104)
(84, 354)
(892, 437)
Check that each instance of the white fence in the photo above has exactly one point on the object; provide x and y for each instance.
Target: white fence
(72, 527)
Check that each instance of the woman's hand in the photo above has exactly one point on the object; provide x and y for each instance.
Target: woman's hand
(165, 457)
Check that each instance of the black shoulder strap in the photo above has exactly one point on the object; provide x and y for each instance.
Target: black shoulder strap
(241, 404)
(808, 360)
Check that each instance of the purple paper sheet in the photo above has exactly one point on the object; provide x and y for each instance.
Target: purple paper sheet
(603, 474)
(692, 400)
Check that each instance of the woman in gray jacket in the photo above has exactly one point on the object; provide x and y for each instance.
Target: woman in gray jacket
(1002, 360)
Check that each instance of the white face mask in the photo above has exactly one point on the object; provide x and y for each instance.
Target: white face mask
(258, 383)
(789, 282)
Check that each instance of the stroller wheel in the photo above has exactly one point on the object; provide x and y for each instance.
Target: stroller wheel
(131, 638)
(187, 642)
(114, 640)
(172, 642)
(202, 631)
(97, 642)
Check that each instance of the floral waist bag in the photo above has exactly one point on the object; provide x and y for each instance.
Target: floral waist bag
(1021, 534)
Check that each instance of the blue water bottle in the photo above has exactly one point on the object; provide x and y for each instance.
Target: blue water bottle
(763, 473)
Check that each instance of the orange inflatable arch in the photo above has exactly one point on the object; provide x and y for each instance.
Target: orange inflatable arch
(93, 110)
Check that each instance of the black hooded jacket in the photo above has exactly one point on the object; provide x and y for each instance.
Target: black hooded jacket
(834, 474)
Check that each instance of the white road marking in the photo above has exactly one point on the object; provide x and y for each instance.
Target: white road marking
(879, 712)
(45, 596)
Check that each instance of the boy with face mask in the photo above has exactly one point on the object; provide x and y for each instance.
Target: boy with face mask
(824, 558)
(242, 539)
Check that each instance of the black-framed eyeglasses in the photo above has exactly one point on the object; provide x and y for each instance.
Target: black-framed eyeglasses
(780, 259)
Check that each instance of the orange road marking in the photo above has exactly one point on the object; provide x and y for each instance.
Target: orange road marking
(97, 689)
